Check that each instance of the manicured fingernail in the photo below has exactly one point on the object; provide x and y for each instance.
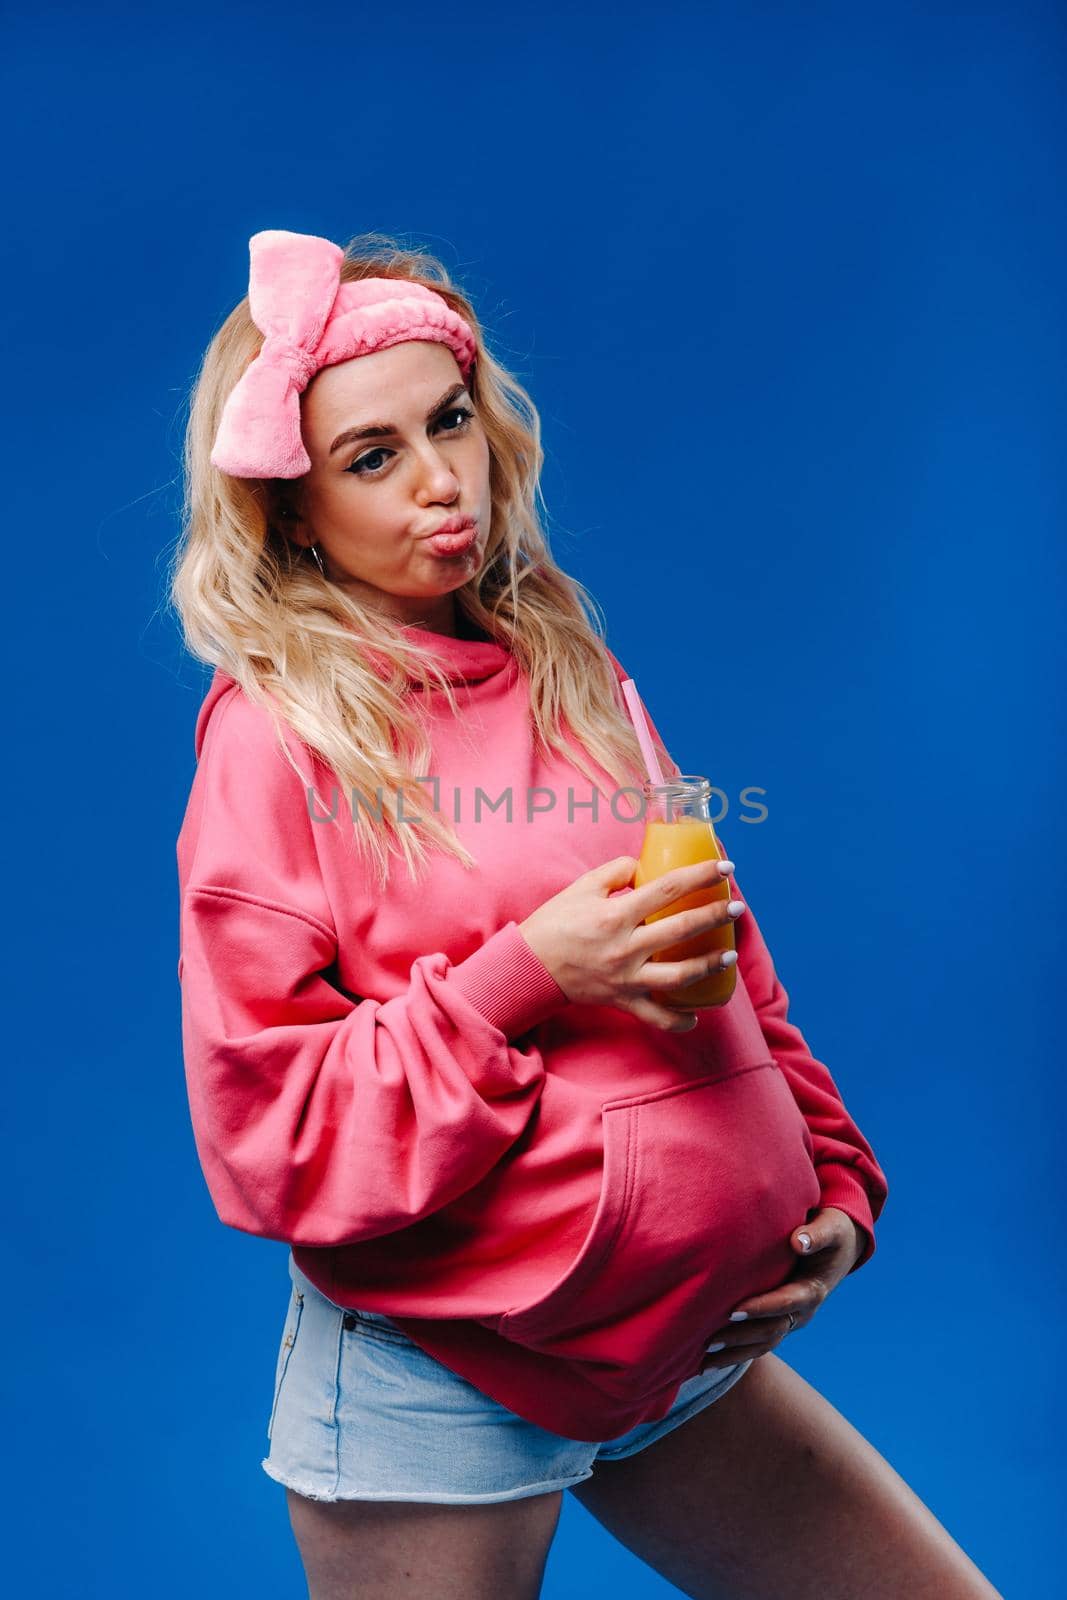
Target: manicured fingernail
(805, 1240)
(734, 908)
(725, 868)
(713, 1347)
(728, 958)
(738, 1316)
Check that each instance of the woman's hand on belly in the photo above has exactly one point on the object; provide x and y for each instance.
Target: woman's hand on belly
(836, 1243)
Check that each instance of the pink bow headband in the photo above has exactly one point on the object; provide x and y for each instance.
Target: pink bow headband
(310, 319)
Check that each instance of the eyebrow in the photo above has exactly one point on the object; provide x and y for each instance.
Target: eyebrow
(385, 430)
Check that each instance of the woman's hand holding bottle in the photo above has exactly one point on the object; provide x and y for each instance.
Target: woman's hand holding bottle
(596, 945)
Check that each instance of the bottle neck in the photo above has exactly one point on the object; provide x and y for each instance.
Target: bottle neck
(686, 797)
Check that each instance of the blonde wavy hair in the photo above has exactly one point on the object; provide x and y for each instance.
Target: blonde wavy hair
(254, 603)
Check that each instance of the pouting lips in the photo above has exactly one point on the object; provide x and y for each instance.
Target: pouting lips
(451, 544)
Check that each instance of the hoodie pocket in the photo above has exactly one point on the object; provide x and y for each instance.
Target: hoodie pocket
(702, 1184)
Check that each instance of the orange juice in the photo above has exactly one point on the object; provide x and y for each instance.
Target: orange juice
(681, 843)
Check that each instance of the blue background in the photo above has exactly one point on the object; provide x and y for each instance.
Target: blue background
(786, 284)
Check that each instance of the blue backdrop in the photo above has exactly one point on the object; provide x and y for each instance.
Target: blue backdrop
(786, 284)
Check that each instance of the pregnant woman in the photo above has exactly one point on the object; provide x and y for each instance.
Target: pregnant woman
(545, 1231)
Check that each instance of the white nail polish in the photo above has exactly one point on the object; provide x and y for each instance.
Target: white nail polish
(711, 1348)
(738, 1316)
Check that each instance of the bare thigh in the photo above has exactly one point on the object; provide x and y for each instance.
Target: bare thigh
(771, 1492)
(388, 1549)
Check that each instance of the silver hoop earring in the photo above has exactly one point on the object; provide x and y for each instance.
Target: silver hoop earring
(318, 559)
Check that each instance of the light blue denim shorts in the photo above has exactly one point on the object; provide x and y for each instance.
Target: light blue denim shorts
(361, 1413)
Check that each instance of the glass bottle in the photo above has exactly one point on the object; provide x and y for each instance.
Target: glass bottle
(678, 833)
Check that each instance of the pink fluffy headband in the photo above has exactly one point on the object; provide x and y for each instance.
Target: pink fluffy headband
(310, 319)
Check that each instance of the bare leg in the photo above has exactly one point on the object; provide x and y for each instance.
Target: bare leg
(771, 1492)
(400, 1550)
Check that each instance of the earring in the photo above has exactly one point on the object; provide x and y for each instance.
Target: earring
(318, 559)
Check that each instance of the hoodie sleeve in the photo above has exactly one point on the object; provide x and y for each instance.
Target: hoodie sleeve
(321, 1118)
(849, 1176)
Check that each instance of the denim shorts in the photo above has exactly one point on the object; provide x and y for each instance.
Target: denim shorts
(361, 1413)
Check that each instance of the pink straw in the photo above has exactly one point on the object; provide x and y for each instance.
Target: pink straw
(640, 722)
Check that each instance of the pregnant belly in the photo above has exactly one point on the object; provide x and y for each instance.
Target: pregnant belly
(702, 1185)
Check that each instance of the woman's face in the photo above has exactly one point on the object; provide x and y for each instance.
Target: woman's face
(369, 503)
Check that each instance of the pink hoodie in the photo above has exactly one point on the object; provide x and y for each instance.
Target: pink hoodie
(558, 1201)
